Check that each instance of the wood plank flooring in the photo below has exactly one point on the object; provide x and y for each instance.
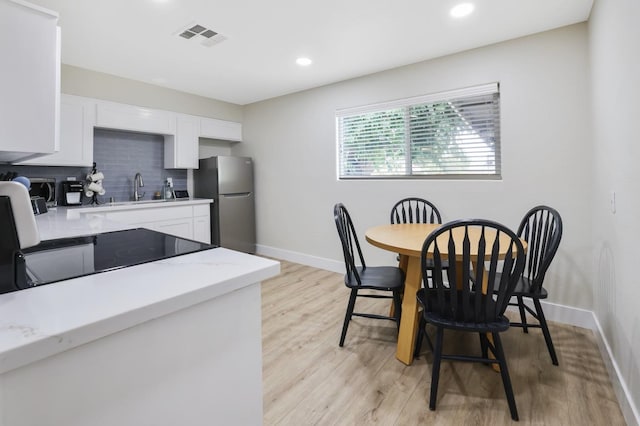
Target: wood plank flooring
(309, 380)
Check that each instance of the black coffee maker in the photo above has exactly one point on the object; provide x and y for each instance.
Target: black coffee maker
(72, 192)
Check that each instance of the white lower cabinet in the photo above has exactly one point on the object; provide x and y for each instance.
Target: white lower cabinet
(174, 220)
(180, 227)
(202, 223)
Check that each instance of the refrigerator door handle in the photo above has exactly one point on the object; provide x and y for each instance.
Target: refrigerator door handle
(236, 195)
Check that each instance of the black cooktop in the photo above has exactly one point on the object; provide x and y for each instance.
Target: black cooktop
(65, 258)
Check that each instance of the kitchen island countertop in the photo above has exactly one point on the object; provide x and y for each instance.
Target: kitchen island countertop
(39, 322)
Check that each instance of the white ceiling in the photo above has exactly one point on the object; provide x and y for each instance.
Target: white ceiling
(137, 39)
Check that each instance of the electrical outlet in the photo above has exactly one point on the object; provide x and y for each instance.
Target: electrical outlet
(613, 202)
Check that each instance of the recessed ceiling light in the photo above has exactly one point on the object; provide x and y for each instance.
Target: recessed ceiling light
(303, 62)
(461, 10)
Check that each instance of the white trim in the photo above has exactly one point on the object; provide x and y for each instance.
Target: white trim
(50, 13)
(301, 258)
(625, 400)
(553, 312)
(564, 314)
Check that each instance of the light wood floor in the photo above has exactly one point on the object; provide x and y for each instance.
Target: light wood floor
(309, 380)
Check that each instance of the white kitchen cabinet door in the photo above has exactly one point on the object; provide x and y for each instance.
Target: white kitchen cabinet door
(29, 80)
(180, 228)
(202, 229)
(171, 218)
(220, 129)
(77, 118)
(112, 115)
(181, 150)
(202, 223)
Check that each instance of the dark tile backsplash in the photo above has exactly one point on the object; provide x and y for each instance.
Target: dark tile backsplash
(119, 156)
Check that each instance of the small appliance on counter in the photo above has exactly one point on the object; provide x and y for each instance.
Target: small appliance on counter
(44, 188)
(39, 205)
(180, 193)
(72, 193)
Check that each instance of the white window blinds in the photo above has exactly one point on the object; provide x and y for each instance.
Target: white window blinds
(454, 134)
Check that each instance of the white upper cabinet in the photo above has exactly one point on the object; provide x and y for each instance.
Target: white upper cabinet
(181, 150)
(79, 115)
(29, 80)
(111, 115)
(77, 118)
(220, 129)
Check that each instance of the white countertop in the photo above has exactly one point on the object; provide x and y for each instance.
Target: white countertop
(133, 205)
(39, 322)
(61, 222)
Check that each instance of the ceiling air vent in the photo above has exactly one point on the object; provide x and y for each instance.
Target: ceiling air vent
(203, 35)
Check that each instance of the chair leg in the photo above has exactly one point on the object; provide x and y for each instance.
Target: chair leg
(347, 317)
(483, 345)
(435, 372)
(421, 333)
(545, 331)
(397, 307)
(506, 380)
(523, 315)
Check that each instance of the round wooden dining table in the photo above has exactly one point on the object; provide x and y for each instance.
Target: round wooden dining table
(407, 240)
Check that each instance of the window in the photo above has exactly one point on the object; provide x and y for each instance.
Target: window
(454, 134)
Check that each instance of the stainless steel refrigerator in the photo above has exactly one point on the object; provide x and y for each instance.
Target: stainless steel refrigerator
(229, 181)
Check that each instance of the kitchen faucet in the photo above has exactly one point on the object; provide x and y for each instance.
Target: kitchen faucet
(137, 183)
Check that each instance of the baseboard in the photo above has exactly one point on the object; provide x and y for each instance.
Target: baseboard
(627, 406)
(553, 312)
(303, 259)
(564, 314)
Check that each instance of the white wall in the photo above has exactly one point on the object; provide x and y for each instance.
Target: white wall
(614, 47)
(545, 145)
(92, 84)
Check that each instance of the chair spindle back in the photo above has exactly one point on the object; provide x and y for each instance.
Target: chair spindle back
(471, 249)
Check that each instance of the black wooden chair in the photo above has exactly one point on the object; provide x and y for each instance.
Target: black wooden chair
(541, 228)
(374, 279)
(415, 210)
(457, 304)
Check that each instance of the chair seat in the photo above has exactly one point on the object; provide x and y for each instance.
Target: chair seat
(523, 288)
(377, 278)
(428, 299)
